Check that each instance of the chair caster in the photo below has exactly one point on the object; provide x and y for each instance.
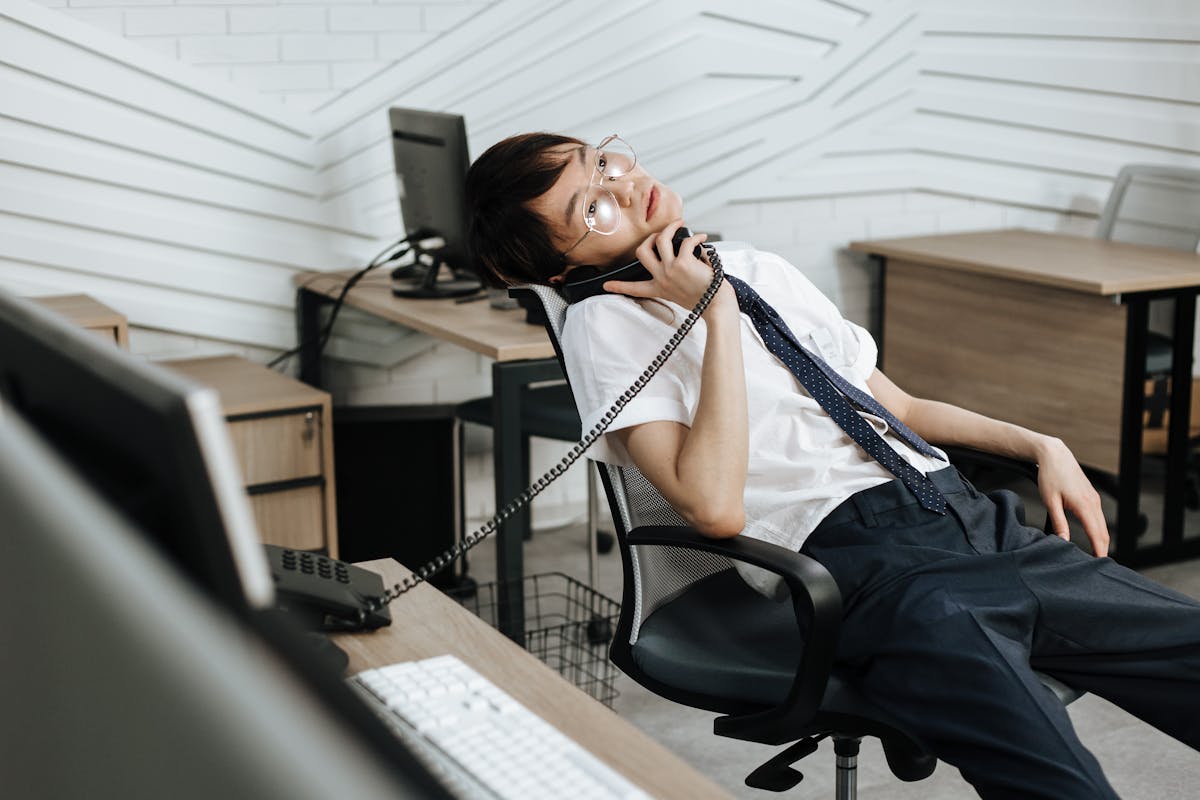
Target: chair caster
(907, 761)
(599, 630)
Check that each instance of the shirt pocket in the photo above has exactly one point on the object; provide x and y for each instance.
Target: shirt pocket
(823, 343)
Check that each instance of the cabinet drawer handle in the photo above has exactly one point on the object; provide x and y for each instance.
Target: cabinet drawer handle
(310, 427)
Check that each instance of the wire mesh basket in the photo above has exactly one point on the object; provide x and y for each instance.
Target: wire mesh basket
(568, 626)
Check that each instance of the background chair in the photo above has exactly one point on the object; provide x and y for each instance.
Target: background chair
(693, 632)
(1154, 205)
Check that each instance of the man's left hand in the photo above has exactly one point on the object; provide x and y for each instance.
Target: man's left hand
(1064, 487)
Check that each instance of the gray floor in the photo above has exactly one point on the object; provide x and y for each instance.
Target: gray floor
(1141, 763)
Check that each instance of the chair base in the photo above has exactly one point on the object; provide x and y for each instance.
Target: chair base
(777, 774)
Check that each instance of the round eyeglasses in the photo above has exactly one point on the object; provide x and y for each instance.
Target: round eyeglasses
(601, 210)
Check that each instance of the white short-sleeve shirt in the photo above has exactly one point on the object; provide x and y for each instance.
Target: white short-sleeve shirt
(802, 465)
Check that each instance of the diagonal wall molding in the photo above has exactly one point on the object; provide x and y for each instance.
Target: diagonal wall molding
(189, 202)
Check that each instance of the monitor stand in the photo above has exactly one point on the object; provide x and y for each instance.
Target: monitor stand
(430, 276)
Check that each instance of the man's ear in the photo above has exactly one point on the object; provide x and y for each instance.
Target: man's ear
(557, 280)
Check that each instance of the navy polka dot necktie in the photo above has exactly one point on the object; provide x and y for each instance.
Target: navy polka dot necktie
(835, 394)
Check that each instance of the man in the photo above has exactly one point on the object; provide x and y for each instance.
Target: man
(771, 421)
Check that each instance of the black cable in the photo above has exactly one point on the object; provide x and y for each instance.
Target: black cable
(322, 336)
(460, 548)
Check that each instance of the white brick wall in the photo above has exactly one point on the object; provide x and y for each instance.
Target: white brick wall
(277, 20)
(371, 19)
(229, 49)
(182, 21)
(304, 52)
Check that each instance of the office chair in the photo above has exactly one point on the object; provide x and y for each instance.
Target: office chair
(1155, 205)
(692, 631)
(549, 412)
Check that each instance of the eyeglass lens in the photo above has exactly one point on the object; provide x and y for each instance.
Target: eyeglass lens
(601, 212)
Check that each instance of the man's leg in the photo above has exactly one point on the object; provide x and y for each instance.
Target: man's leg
(937, 632)
(1110, 631)
(958, 678)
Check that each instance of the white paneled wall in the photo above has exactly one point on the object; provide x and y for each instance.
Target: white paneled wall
(182, 159)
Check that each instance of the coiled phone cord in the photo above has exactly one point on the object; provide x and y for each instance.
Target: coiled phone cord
(536, 488)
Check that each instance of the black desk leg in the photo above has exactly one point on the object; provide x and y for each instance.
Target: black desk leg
(1129, 475)
(1178, 432)
(308, 326)
(879, 318)
(509, 379)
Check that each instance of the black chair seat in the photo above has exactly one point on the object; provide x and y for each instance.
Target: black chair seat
(721, 638)
(546, 411)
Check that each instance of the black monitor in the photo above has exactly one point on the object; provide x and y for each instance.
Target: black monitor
(153, 443)
(430, 153)
(119, 680)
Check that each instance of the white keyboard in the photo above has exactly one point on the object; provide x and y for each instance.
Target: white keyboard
(479, 741)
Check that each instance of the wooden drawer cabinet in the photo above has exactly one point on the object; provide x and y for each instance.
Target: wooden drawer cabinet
(91, 314)
(291, 517)
(282, 434)
(278, 448)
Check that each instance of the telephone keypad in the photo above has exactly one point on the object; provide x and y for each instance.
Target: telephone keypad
(310, 564)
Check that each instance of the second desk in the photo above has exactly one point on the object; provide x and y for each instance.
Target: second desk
(521, 354)
(1048, 331)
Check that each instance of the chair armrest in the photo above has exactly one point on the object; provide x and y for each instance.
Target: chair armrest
(815, 597)
(956, 453)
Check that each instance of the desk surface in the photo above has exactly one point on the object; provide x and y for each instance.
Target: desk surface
(247, 387)
(1080, 264)
(427, 623)
(499, 334)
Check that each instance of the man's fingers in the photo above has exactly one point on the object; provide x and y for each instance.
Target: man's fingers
(692, 242)
(665, 251)
(1091, 514)
(631, 288)
(1096, 528)
(646, 253)
(1058, 519)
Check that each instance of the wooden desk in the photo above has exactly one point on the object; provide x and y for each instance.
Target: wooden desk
(87, 312)
(1047, 331)
(521, 354)
(427, 623)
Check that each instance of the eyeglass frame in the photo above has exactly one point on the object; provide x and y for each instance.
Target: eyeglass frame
(597, 179)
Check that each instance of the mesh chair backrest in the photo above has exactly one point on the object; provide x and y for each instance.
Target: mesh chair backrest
(1154, 205)
(659, 573)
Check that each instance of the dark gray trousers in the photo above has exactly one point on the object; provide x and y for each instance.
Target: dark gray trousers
(947, 617)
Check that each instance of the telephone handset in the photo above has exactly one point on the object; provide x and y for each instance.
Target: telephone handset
(594, 282)
(324, 594)
(585, 281)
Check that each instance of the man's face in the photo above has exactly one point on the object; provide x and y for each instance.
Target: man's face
(646, 207)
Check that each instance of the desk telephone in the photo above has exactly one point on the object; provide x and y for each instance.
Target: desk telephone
(358, 600)
(321, 593)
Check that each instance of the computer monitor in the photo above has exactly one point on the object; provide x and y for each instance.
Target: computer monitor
(118, 679)
(430, 154)
(153, 443)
